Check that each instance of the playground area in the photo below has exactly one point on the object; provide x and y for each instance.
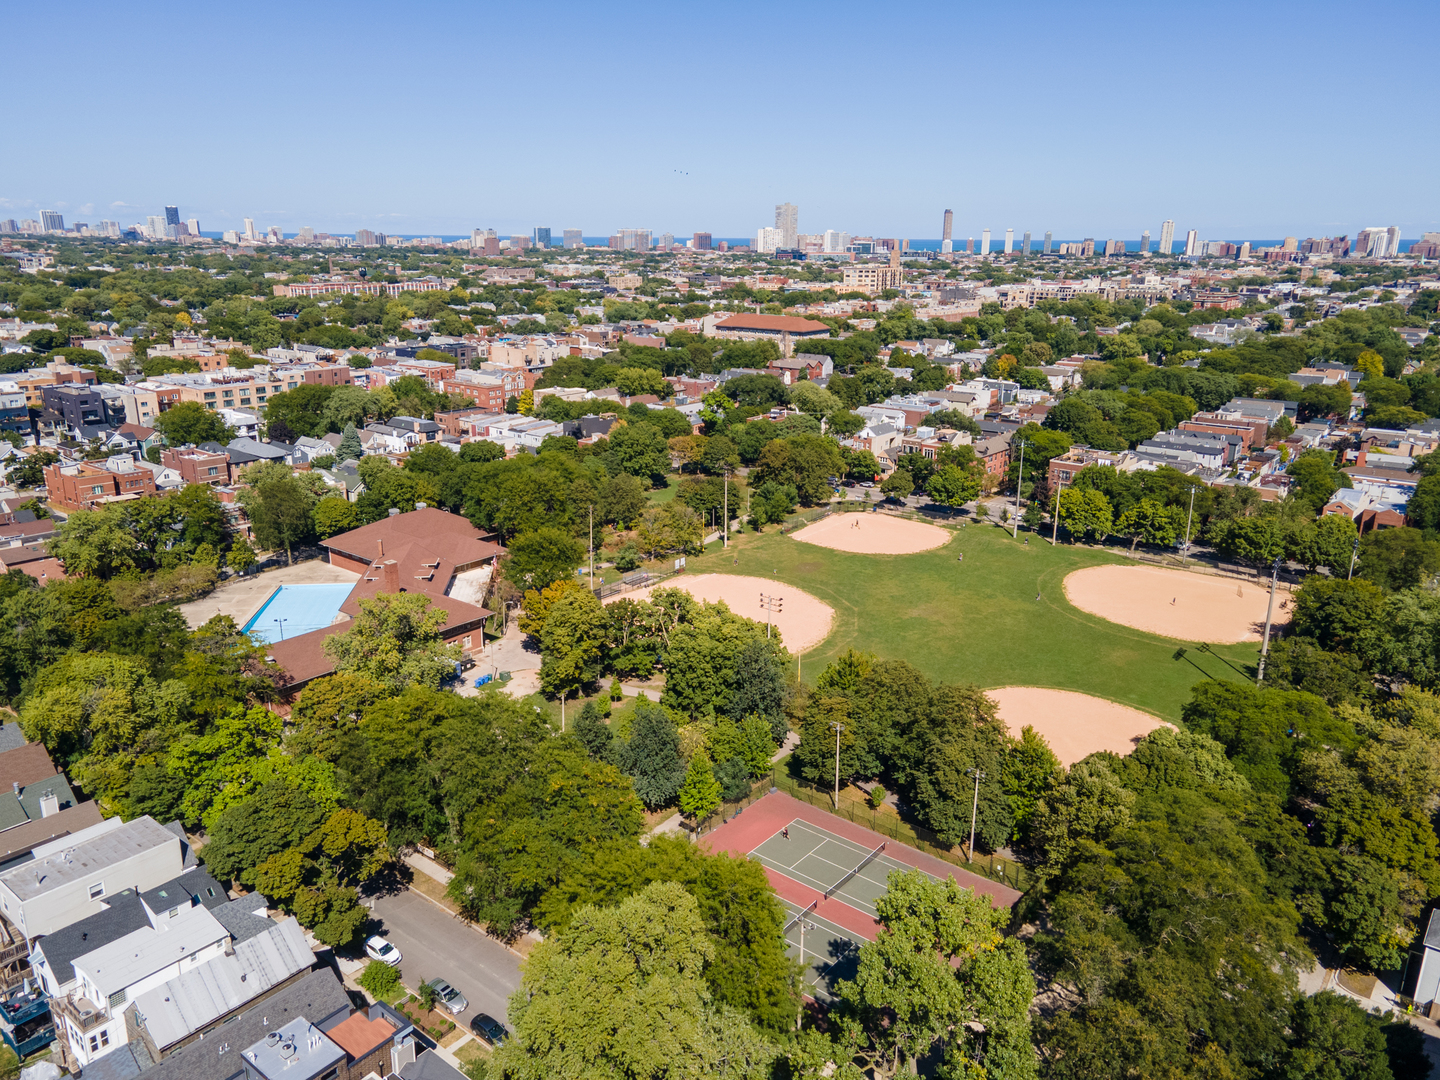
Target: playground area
(1073, 725)
(873, 534)
(829, 873)
(1176, 603)
(803, 621)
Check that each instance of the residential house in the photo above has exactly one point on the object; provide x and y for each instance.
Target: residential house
(90, 483)
(197, 466)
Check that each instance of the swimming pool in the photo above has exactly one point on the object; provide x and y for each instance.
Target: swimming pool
(296, 609)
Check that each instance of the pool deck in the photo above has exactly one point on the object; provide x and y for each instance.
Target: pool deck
(242, 599)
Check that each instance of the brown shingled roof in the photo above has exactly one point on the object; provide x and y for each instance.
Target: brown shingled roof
(775, 324)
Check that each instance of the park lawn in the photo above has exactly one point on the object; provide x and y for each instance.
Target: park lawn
(663, 495)
(980, 621)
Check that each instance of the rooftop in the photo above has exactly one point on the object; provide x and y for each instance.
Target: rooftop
(299, 1046)
(359, 1035)
(774, 324)
(150, 948)
(85, 854)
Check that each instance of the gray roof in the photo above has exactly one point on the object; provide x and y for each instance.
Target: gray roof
(195, 999)
(318, 996)
(11, 737)
(240, 918)
(16, 808)
(120, 1064)
(150, 949)
(122, 914)
(192, 887)
(429, 1066)
(80, 856)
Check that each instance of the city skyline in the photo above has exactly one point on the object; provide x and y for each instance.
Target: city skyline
(1060, 176)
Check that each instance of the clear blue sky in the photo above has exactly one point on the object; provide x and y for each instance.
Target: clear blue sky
(1242, 120)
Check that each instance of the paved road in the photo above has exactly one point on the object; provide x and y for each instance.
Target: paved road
(432, 942)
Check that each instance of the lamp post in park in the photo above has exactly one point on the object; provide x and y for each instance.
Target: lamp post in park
(839, 727)
(978, 774)
(281, 623)
(1019, 480)
(1269, 610)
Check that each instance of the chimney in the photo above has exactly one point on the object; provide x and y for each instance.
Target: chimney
(1360, 459)
(49, 804)
(392, 576)
(381, 544)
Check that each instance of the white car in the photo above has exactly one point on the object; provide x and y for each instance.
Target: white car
(377, 948)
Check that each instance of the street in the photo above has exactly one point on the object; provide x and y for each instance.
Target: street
(432, 943)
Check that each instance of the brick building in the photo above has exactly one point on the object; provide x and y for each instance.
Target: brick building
(83, 485)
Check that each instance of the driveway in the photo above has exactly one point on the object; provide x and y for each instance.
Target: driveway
(434, 943)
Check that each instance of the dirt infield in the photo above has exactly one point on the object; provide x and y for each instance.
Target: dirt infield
(873, 534)
(1176, 603)
(1074, 725)
(802, 620)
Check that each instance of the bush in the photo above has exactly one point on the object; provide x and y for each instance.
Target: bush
(877, 796)
(627, 559)
(379, 980)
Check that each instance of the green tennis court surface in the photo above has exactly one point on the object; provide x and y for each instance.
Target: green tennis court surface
(828, 951)
(820, 860)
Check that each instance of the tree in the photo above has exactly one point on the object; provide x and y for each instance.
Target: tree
(189, 423)
(621, 992)
(700, 793)
(939, 968)
(1085, 514)
(1087, 803)
(350, 448)
(380, 980)
(1151, 522)
(640, 450)
(621, 501)
(333, 515)
(543, 556)
(1320, 400)
(671, 526)
(241, 556)
(651, 756)
(954, 486)
(280, 514)
(1030, 768)
(631, 381)
(395, 640)
(1397, 558)
(845, 424)
(1315, 478)
(572, 642)
(592, 730)
(898, 485)
(1331, 1037)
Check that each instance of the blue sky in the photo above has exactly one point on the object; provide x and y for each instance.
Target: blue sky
(1242, 120)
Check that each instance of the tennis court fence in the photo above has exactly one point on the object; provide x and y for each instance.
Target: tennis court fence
(995, 867)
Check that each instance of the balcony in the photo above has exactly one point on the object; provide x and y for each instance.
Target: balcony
(25, 1022)
(81, 1012)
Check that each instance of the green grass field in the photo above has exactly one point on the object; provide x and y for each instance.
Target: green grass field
(979, 621)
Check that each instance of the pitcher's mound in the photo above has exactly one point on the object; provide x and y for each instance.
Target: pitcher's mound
(1176, 603)
(802, 620)
(873, 534)
(1074, 725)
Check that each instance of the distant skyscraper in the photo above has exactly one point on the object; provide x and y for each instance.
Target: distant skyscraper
(1009, 241)
(1145, 241)
(1393, 235)
(250, 233)
(787, 222)
(1025, 245)
(984, 241)
(768, 240)
(193, 226)
(701, 241)
(1192, 243)
(172, 215)
(970, 246)
(573, 239)
(1167, 237)
(1047, 241)
(667, 241)
(542, 237)
(52, 221)
(946, 244)
(155, 227)
(365, 238)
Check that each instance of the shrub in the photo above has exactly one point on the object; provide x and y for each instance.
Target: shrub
(877, 796)
(379, 980)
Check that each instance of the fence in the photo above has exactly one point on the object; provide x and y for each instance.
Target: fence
(995, 867)
(641, 580)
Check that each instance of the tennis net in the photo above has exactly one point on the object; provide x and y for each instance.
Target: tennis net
(833, 889)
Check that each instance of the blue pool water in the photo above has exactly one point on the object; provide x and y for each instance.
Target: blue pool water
(301, 607)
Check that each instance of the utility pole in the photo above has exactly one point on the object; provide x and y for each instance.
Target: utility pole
(1055, 523)
(725, 534)
(1188, 517)
(979, 775)
(773, 606)
(592, 547)
(1354, 552)
(839, 727)
(800, 1009)
(1019, 479)
(1269, 610)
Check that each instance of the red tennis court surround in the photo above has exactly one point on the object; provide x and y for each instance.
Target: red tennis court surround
(837, 911)
(761, 820)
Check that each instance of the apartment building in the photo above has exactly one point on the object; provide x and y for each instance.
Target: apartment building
(197, 466)
(490, 389)
(85, 484)
(76, 406)
(784, 330)
(535, 352)
(55, 373)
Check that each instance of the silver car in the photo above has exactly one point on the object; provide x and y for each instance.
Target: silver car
(448, 998)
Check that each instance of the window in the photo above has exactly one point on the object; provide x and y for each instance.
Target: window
(465, 641)
(97, 1041)
(97, 890)
(209, 395)
(117, 998)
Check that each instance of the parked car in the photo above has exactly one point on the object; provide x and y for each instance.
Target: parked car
(488, 1028)
(448, 998)
(377, 948)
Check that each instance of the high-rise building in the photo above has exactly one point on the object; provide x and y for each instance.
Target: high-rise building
(250, 233)
(667, 241)
(112, 228)
(306, 234)
(701, 241)
(1114, 247)
(573, 239)
(192, 226)
(1244, 250)
(946, 244)
(9, 225)
(1145, 241)
(787, 222)
(1290, 244)
(970, 246)
(1025, 245)
(542, 237)
(1167, 237)
(1047, 241)
(1192, 244)
(1009, 241)
(1087, 247)
(51, 221)
(492, 244)
(1392, 235)
(767, 240)
(365, 238)
(984, 241)
(155, 227)
(172, 215)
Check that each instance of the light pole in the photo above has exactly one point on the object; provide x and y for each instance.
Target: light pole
(1055, 523)
(1019, 479)
(978, 774)
(282, 623)
(725, 534)
(1269, 610)
(1188, 517)
(800, 1009)
(1354, 552)
(772, 605)
(839, 727)
(592, 547)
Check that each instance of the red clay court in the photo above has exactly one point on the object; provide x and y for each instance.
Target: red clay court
(824, 855)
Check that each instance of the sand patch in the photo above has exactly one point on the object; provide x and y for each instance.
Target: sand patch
(1176, 603)
(873, 534)
(803, 621)
(1074, 725)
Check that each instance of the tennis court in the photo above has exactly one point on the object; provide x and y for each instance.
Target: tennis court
(829, 864)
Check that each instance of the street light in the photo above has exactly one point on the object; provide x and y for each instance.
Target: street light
(839, 727)
(282, 623)
(978, 774)
(1269, 610)
(1019, 480)
(772, 605)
